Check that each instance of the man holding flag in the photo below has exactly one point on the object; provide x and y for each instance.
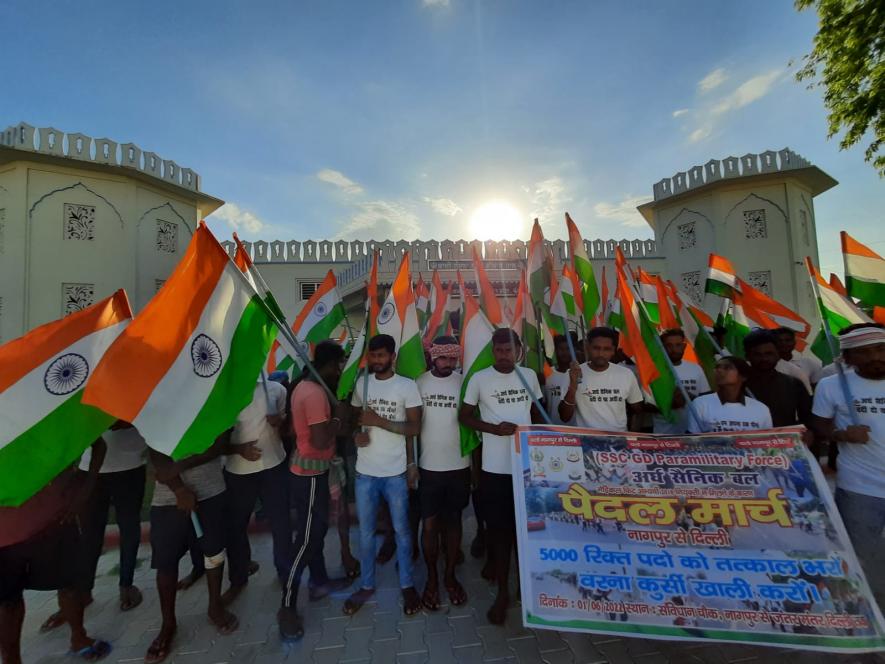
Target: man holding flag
(503, 402)
(602, 394)
(385, 466)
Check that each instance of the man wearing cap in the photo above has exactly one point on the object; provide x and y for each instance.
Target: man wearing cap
(850, 409)
(444, 489)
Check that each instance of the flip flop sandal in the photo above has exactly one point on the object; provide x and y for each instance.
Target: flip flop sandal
(430, 599)
(98, 650)
(52, 622)
(159, 650)
(133, 599)
(230, 625)
(457, 595)
(355, 602)
(411, 602)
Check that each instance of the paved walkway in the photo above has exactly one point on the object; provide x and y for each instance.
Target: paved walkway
(379, 633)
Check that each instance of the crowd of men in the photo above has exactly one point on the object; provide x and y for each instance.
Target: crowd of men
(395, 452)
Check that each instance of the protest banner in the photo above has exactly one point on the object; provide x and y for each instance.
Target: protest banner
(719, 537)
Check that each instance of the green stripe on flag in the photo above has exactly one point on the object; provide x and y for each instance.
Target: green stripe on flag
(664, 385)
(326, 325)
(718, 288)
(31, 461)
(410, 360)
(531, 341)
(870, 293)
(589, 289)
(235, 385)
(470, 439)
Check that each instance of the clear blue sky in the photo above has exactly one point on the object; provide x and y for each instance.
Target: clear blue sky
(399, 119)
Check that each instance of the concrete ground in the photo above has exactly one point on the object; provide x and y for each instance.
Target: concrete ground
(379, 633)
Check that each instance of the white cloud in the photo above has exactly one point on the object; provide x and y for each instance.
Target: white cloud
(435, 3)
(549, 200)
(712, 80)
(700, 133)
(624, 212)
(381, 220)
(238, 219)
(751, 90)
(445, 206)
(680, 112)
(339, 180)
(748, 92)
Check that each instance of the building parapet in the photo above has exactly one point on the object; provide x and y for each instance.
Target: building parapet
(51, 141)
(426, 255)
(730, 167)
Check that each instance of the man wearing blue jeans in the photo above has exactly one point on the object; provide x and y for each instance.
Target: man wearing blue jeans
(860, 433)
(385, 466)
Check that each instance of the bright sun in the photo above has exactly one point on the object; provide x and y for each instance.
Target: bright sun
(496, 220)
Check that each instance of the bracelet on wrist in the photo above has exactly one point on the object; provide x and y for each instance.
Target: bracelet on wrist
(568, 403)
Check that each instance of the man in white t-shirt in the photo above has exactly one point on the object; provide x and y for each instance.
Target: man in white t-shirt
(692, 378)
(444, 490)
(860, 433)
(808, 364)
(255, 467)
(729, 408)
(504, 395)
(601, 395)
(385, 466)
(557, 382)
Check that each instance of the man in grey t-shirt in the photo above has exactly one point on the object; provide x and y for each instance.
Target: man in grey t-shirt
(192, 485)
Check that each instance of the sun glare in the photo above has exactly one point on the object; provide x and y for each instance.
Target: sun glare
(496, 220)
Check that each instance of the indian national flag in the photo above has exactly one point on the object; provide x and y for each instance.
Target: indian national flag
(655, 376)
(721, 277)
(536, 266)
(864, 272)
(738, 325)
(605, 305)
(486, 292)
(187, 365)
(837, 312)
(562, 300)
(701, 347)
(582, 268)
(279, 359)
(438, 321)
(356, 361)
(399, 319)
(321, 314)
(44, 427)
(525, 323)
(648, 292)
(422, 303)
(476, 349)
(763, 308)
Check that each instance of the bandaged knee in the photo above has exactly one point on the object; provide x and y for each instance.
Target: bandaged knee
(214, 561)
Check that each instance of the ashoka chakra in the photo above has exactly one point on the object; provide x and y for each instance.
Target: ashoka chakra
(66, 374)
(206, 356)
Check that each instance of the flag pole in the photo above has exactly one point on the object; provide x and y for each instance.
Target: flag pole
(688, 402)
(283, 327)
(519, 375)
(834, 349)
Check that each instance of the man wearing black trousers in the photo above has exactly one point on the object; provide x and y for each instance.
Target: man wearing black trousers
(256, 468)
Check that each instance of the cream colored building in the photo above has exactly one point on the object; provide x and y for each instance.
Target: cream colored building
(81, 217)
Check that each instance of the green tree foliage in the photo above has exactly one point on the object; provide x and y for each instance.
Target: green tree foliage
(848, 61)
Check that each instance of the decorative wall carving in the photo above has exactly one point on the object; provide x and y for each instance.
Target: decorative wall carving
(75, 297)
(167, 236)
(687, 236)
(79, 222)
(691, 285)
(755, 225)
(760, 279)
